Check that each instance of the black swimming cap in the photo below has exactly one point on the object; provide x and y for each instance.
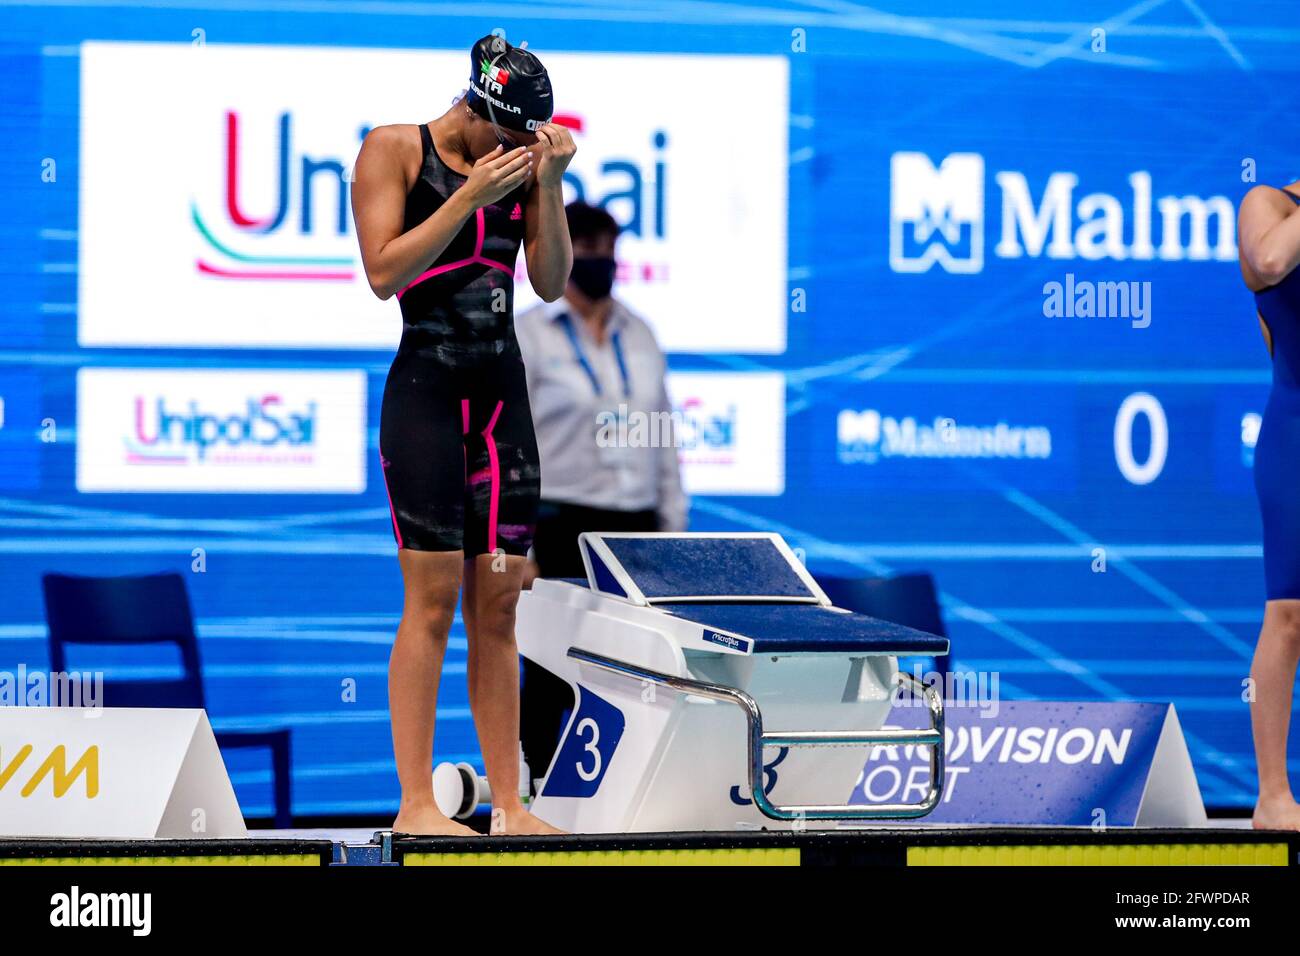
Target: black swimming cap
(508, 86)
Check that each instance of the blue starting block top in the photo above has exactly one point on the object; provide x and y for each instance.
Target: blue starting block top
(747, 591)
(654, 568)
(795, 628)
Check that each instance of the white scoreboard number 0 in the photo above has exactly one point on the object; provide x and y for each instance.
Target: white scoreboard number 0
(1148, 406)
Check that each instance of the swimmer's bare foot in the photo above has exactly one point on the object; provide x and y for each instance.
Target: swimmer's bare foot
(428, 821)
(1278, 813)
(517, 821)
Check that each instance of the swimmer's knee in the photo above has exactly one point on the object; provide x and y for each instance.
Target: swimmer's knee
(431, 618)
(494, 614)
(1284, 620)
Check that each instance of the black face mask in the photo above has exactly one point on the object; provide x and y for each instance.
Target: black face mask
(594, 276)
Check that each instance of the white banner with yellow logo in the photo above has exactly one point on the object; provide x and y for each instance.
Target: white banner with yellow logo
(119, 773)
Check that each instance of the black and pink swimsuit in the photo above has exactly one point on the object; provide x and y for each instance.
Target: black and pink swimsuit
(456, 432)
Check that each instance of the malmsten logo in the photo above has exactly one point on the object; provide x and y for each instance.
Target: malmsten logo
(936, 214)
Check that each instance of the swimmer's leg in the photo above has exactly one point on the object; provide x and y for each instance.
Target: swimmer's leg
(492, 583)
(432, 581)
(1273, 673)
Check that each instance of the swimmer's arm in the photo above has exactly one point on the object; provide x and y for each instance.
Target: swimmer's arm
(546, 230)
(392, 259)
(1269, 234)
(547, 249)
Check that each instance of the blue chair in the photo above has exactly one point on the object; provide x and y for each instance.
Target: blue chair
(149, 609)
(908, 599)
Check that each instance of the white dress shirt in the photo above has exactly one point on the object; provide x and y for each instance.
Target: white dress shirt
(573, 402)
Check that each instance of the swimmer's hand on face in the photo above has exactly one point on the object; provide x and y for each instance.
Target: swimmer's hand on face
(496, 174)
(558, 148)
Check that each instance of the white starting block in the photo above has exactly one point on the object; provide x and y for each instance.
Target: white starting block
(680, 648)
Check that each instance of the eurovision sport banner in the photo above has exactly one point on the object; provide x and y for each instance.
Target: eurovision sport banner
(1049, 763)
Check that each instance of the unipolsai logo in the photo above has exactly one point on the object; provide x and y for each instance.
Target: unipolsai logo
(707, 431)
(936, 214)
(858, 436)
(263, 431)
(631, 183)
(281, 241)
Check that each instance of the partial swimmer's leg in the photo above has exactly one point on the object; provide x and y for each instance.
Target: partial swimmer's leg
(492, 583)
(500, 514)
(1273, 673)
(421, 452)
(432, 581)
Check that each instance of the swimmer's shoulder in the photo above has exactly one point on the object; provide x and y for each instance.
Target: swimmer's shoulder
(397, 144)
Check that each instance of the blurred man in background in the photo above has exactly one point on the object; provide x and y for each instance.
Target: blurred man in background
(603, 422)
